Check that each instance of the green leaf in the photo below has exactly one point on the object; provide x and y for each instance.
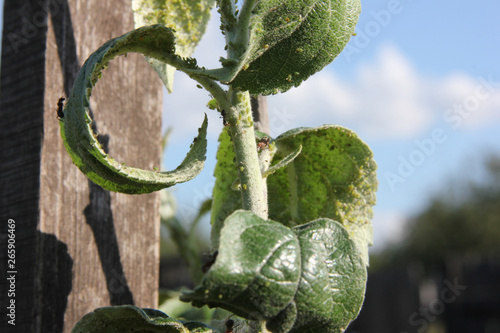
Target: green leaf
(76, 124)
(189, 19)
(257, 269)
(332, 286)
(333, 177)
(307, 279)
(129, 318)
(225, 200)
(169, 303)
(291, 40)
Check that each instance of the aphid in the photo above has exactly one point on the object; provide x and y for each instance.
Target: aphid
(210, 261)
(60, 105)
(263, 143)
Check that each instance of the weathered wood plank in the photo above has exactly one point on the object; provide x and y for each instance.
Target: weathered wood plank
(81, 247)
(21, 107)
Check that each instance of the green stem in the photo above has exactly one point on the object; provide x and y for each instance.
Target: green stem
(241, 35)
(244, 19)
(228, 18)
(238, 113)
(214, 88)
(241, 130)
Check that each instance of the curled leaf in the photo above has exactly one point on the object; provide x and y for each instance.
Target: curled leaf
(76, 124)
(305, 279)
(129, 318)
(332, 285)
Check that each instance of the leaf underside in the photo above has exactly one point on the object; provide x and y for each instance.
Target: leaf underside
(225, 200)
(291, 40)
(188, 18)
(334, 176)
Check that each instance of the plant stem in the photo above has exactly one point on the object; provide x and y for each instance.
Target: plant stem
(244, 21)
(214, 88)
(240, 121)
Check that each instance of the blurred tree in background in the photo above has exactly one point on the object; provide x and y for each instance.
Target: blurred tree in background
(463, 220)
(454, 241)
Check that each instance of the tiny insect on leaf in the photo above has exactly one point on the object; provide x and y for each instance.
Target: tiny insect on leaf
(60, 105)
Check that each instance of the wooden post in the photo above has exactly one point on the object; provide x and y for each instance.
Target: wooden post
(77, 246)
(260, 113)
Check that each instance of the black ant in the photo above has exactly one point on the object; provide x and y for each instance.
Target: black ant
(210, 261)
(229, 326)
(263, 143)
(60, 105)
(224, 121)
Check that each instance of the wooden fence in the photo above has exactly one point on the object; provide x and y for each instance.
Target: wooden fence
(77, 246)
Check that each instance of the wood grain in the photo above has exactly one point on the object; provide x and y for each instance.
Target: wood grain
(80, 247)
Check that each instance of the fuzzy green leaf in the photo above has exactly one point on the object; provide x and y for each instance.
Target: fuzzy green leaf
(333, 281)
(256, 271)
(306, 279)
(129, 318)
(291, 40)
(189, 19)
(76, 124)
(333, 177)
(225, 199)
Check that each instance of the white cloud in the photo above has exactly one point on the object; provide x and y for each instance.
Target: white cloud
(387, 99)
(384, 101)
(470, 103)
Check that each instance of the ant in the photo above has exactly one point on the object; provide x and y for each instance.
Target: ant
(263, 143)
(224, 121)
(60, 105)
(229, 326)
(210, 261)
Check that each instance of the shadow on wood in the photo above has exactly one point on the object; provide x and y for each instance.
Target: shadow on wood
(99, 217)
(53, 283)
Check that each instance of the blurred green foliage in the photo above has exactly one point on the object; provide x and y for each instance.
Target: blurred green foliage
(462, 220)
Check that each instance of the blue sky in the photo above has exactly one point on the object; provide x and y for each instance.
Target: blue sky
(419, 83)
